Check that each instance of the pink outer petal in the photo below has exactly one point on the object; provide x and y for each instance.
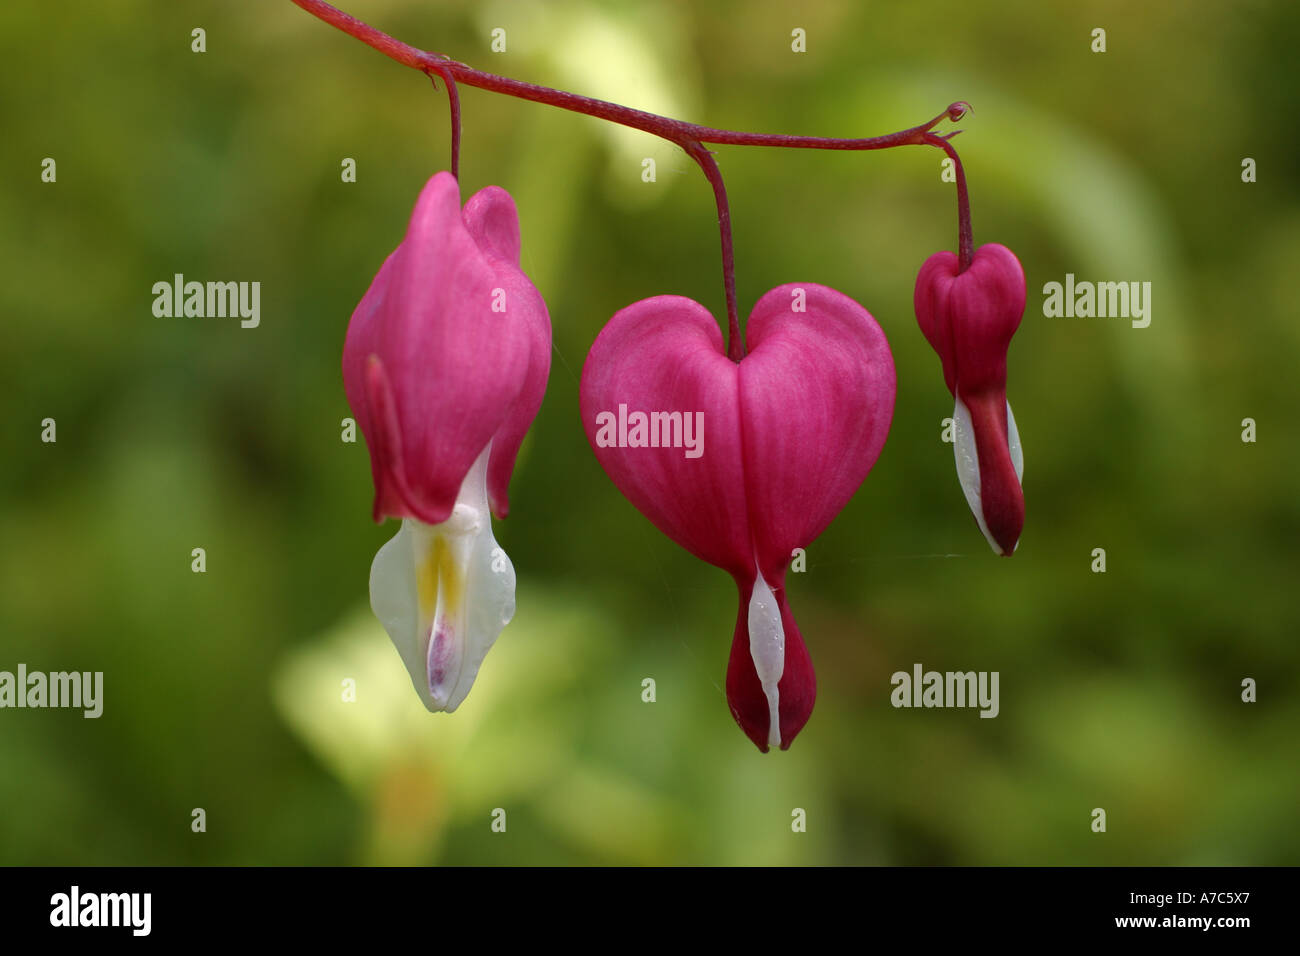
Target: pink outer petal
(986, 305)
(930, 300)
(665, 354)
(506, 442)
(454, 368)
(817, 398)
(797, 687)
(969, 318)
(370, 397)
(491, 218)
(386, 465)
(493, 221)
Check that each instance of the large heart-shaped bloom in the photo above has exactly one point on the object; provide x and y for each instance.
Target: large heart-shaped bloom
(969, 318)
(771, 448)
(445, 365)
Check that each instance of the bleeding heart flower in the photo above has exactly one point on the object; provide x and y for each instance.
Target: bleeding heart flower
(445, 365)
(789, 433)
(969, 318)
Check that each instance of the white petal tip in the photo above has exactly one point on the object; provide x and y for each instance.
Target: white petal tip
(767, 648)
(444, 593)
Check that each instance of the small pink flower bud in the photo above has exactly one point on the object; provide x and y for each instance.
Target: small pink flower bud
(969, 318)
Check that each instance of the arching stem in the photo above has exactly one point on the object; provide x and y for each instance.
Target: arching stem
(735, 338)
(453, 100)
(965, 235)
(689, 136)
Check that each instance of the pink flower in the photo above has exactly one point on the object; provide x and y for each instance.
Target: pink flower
(778, 444)
(445, 364)
(969, 318)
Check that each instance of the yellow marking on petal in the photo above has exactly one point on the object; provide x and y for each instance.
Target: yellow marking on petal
(438, 574)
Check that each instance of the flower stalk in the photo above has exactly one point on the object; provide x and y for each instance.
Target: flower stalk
(690, 137)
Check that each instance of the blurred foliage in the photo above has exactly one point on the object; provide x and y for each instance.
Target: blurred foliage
(221, 690)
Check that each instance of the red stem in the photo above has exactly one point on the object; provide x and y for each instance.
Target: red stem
(453, 100)
(965, 236)
(735, 338)
(688, 136)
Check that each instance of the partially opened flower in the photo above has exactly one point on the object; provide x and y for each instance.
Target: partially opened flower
(969, 318)
(445, 365)
(741, 463)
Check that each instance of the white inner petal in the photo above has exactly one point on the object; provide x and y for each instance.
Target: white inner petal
(968, 466)
(1013, 440)
(444, 593)
(767, 648)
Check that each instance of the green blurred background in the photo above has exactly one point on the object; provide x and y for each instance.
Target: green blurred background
(1118, 690)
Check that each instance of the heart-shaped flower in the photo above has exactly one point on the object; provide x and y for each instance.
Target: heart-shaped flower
(445, 365)
(969, 318)
(741, 463)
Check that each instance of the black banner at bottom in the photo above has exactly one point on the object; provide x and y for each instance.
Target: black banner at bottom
(234, 905)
